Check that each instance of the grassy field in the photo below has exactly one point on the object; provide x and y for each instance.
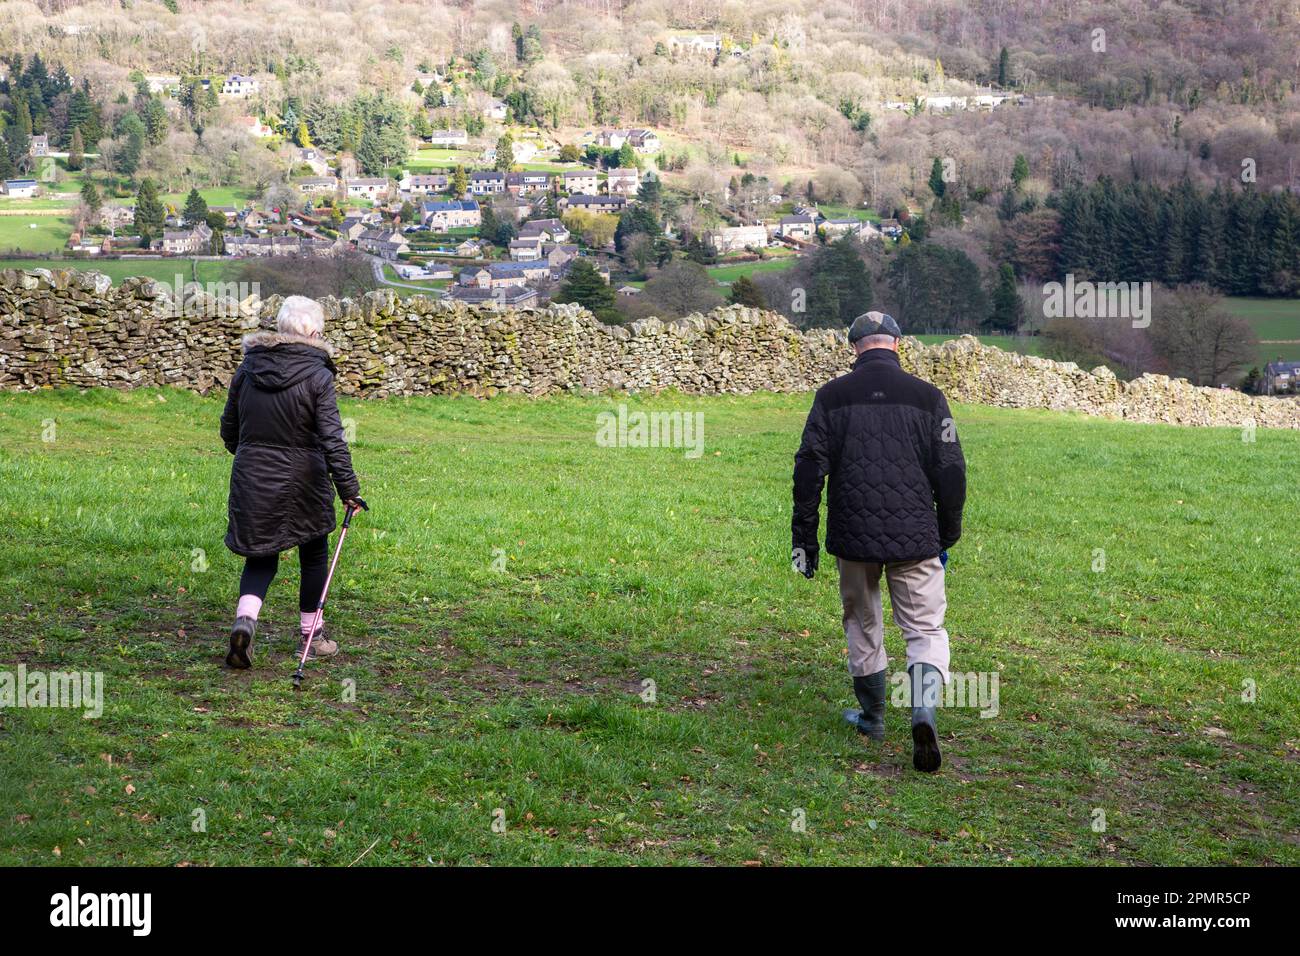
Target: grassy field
(44, 233)
(164, 270)
(515, 586)
(1276, 322)
(727, 274)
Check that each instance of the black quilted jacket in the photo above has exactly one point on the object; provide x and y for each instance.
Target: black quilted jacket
(885, 443)
(282, 424)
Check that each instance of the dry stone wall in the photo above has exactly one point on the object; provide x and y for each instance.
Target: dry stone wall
(75, 329)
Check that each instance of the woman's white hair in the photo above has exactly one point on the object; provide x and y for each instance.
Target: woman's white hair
(300, 315)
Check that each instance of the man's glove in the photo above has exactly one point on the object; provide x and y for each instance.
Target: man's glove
(804, 559)
(943, 558)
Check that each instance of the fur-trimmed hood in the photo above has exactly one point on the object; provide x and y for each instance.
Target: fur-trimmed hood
(274, 361)
(270, 340)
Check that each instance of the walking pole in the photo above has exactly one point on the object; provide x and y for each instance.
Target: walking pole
(320, 606)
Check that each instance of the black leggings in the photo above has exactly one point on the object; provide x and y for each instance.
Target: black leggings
(313, 560)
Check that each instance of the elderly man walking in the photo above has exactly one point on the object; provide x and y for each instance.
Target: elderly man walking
(885, 444)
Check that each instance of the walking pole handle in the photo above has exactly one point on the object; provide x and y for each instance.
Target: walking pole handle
(350, 510)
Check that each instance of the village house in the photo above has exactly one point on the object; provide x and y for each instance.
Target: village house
(891, 228)
(581, 181)
(451, 214)
(424, 182)
(528, 181)
(487, 182)
(605, 204)
(1280, 378)
(21, 188)
(281, 245)
(448, 138)
(187, 242)
(318, 184)
(548, 230)
(500, 274)
(238, 85)
(253, 126)
(352, 227)
(701, 44)
(367, 187)
(40, 145)
(526, 249)
(506, 297)
(115, 217)
(623, 182)
(797, 226)
(495, 110)
(312, 158)
(469, 249)
(162, 83)
(641, 140)
(736, 238)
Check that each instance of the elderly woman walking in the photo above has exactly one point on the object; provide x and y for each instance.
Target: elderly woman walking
(282, 425)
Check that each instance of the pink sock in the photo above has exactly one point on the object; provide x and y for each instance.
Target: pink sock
(305, 619)
(249, 606)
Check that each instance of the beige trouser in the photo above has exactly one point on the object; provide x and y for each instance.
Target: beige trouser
(917, 595)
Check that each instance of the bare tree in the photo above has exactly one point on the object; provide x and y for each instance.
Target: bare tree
(1199, 338)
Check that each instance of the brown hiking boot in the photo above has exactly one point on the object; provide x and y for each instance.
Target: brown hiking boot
(321, 646)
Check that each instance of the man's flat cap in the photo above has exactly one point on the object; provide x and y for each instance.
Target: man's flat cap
(873, 323)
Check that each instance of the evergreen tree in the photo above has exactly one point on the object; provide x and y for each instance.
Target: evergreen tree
(745, 291)
(196, 209)
(1020, 170)
(459, 182)
(937, 184)
(149, 212)
(1004, 68)
(90, 196)
(1008, 309)
(585, 286)
(505, 156)
(76, 151)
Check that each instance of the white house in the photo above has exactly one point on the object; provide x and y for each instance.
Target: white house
(238, 85)
(736, 238)
(448, 138)
(21, 188)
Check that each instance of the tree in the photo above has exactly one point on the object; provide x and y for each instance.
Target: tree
(459, 182)
(847, 277)
(1199, 339)
(1020, 170)
(744, 291)
(680, 288)
(1004, 68)
(1008, 309)
(196, 209)
(937, 184)
(90, 196)
(937, 289)
(217, 223)
(569, 153)
(505, 157)
(586, 286)
(149, 212)
(76, 151)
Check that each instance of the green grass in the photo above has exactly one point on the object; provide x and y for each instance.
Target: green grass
(515, 585)
(727, 274)
(1272, 319)
(50, 233)
(163, 270)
